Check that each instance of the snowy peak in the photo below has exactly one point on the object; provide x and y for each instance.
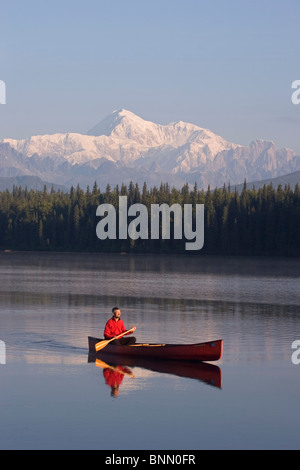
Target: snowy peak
(126, 127)
(110, 122)
(123, 124)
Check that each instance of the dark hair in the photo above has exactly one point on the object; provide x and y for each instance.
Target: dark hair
(115, 308)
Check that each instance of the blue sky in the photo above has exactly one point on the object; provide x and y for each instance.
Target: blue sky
(222, 64)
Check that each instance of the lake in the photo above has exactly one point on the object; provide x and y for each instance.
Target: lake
(53, 396)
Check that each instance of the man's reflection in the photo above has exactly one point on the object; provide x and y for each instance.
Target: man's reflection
(114, 375)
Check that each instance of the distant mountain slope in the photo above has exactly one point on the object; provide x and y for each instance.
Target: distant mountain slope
(124, 147)
(292, 179)
(29, 182)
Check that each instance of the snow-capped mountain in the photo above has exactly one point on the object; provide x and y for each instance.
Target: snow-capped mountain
(124, 147)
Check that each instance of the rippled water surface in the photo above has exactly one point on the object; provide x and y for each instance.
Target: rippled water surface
(54, 396)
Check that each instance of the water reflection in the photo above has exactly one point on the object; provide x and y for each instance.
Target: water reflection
(113, 375)
(182, 278)
(114, 370)
(207, 265)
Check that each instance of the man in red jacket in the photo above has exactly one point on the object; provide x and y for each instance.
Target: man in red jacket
(115, 326)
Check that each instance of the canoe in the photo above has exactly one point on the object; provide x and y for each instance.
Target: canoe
(209, 351)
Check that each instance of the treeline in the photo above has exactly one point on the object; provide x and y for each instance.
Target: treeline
(262, 221)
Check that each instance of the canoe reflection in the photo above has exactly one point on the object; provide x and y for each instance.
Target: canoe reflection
(114, 372)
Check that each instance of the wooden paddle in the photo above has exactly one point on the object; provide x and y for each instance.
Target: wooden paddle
(102, 344)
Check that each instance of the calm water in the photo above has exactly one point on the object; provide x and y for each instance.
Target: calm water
(53, 397)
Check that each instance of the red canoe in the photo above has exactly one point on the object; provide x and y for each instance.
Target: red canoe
(210, 351)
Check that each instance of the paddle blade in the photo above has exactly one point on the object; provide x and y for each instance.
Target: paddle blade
(101, 345)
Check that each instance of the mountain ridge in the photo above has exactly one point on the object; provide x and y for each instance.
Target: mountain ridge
(124, 147)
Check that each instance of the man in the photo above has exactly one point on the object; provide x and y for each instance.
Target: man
(115, 326)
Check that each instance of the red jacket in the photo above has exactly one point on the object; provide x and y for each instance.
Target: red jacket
(114, 328)
(113, 377)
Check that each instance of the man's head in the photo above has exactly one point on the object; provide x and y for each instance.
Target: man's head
(116, 312)
(114, 391)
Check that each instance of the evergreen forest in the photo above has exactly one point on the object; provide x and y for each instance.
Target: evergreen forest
(252, 222)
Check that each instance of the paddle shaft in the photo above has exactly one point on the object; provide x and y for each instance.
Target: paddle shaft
(102, 344)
